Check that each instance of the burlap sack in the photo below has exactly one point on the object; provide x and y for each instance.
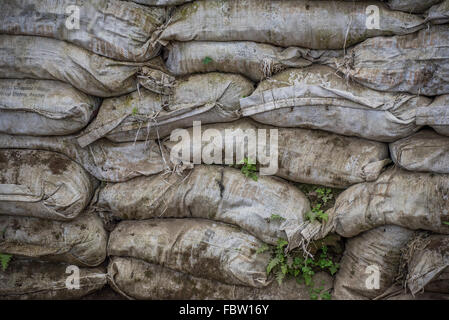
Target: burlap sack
(43, 107)
(115, 29)
(256, 61)
(42, 184)
(370, 263)
(428, 265)
(202, 248)
(411, 6)
(142, 115)
(439, 13)
(435, 115)
(306, 156)
(27, 279)
(424, 151)
(210, 192)
(408, 199)
(81, 241)
(317, 98)
(416, 63)
(105, 160)
(137, 279)
(285, 23)
(160, 2)
(45, 58)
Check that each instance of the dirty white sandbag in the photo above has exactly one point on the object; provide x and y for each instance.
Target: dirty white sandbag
(370, 263)
(105, 160)
(317, 98)
(440, 284)
(43, 184)
(160, 2)
(116, 29)
(285, 23)
(439, 13)
(435, 115)
(411, 6)
(306, 156)
(417, 63)
(397, 292)
(408, 6)
(256, 61)
(428, 264)
(408, 199)
(142, 115)
(199, 247)
(81, 241)
(137, 279)
(45, 58)
(27, 279)
(424, 151)
(43, 107)
(210, 192)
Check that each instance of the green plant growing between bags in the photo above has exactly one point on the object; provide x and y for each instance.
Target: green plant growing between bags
(248, 168)
(4, 260)
(283, 264)
(321, 199)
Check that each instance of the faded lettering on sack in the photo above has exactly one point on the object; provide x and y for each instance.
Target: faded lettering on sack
(73, 280)
(73, 20)
(372, 17)
(373, 280)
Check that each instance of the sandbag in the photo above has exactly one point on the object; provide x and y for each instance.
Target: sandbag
(375, 252)
(256, 61)
(306, 156)
(424, 151)
(435, 115)
(137, 279)
(45, 58)
(27, 279)
(81, 241)
(160, 2)
(143, 115)
(317, 98)
(416, 63)
(285, 23)
(428, 265)
(408, 199)
(397, 292)
(105, 160)
(411, 6)
(116, 29)
(439, 13)
(42, 184)
(43, 107)
(199, 247)
(210, 192)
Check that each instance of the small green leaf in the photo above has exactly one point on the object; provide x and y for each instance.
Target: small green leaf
(135, 111)
(284, 269)
(276, 217)
(313, 296)
(4, 260)
(333, 270)
(207, 60)
(282, 243)
(273, 263)
(280, 277)
(326, 296)
(263, 248)
(446, 223)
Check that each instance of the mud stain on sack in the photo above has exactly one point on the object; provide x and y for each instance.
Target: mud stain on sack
(58, 165)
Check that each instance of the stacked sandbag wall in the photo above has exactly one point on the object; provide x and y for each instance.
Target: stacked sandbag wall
(343, 194)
